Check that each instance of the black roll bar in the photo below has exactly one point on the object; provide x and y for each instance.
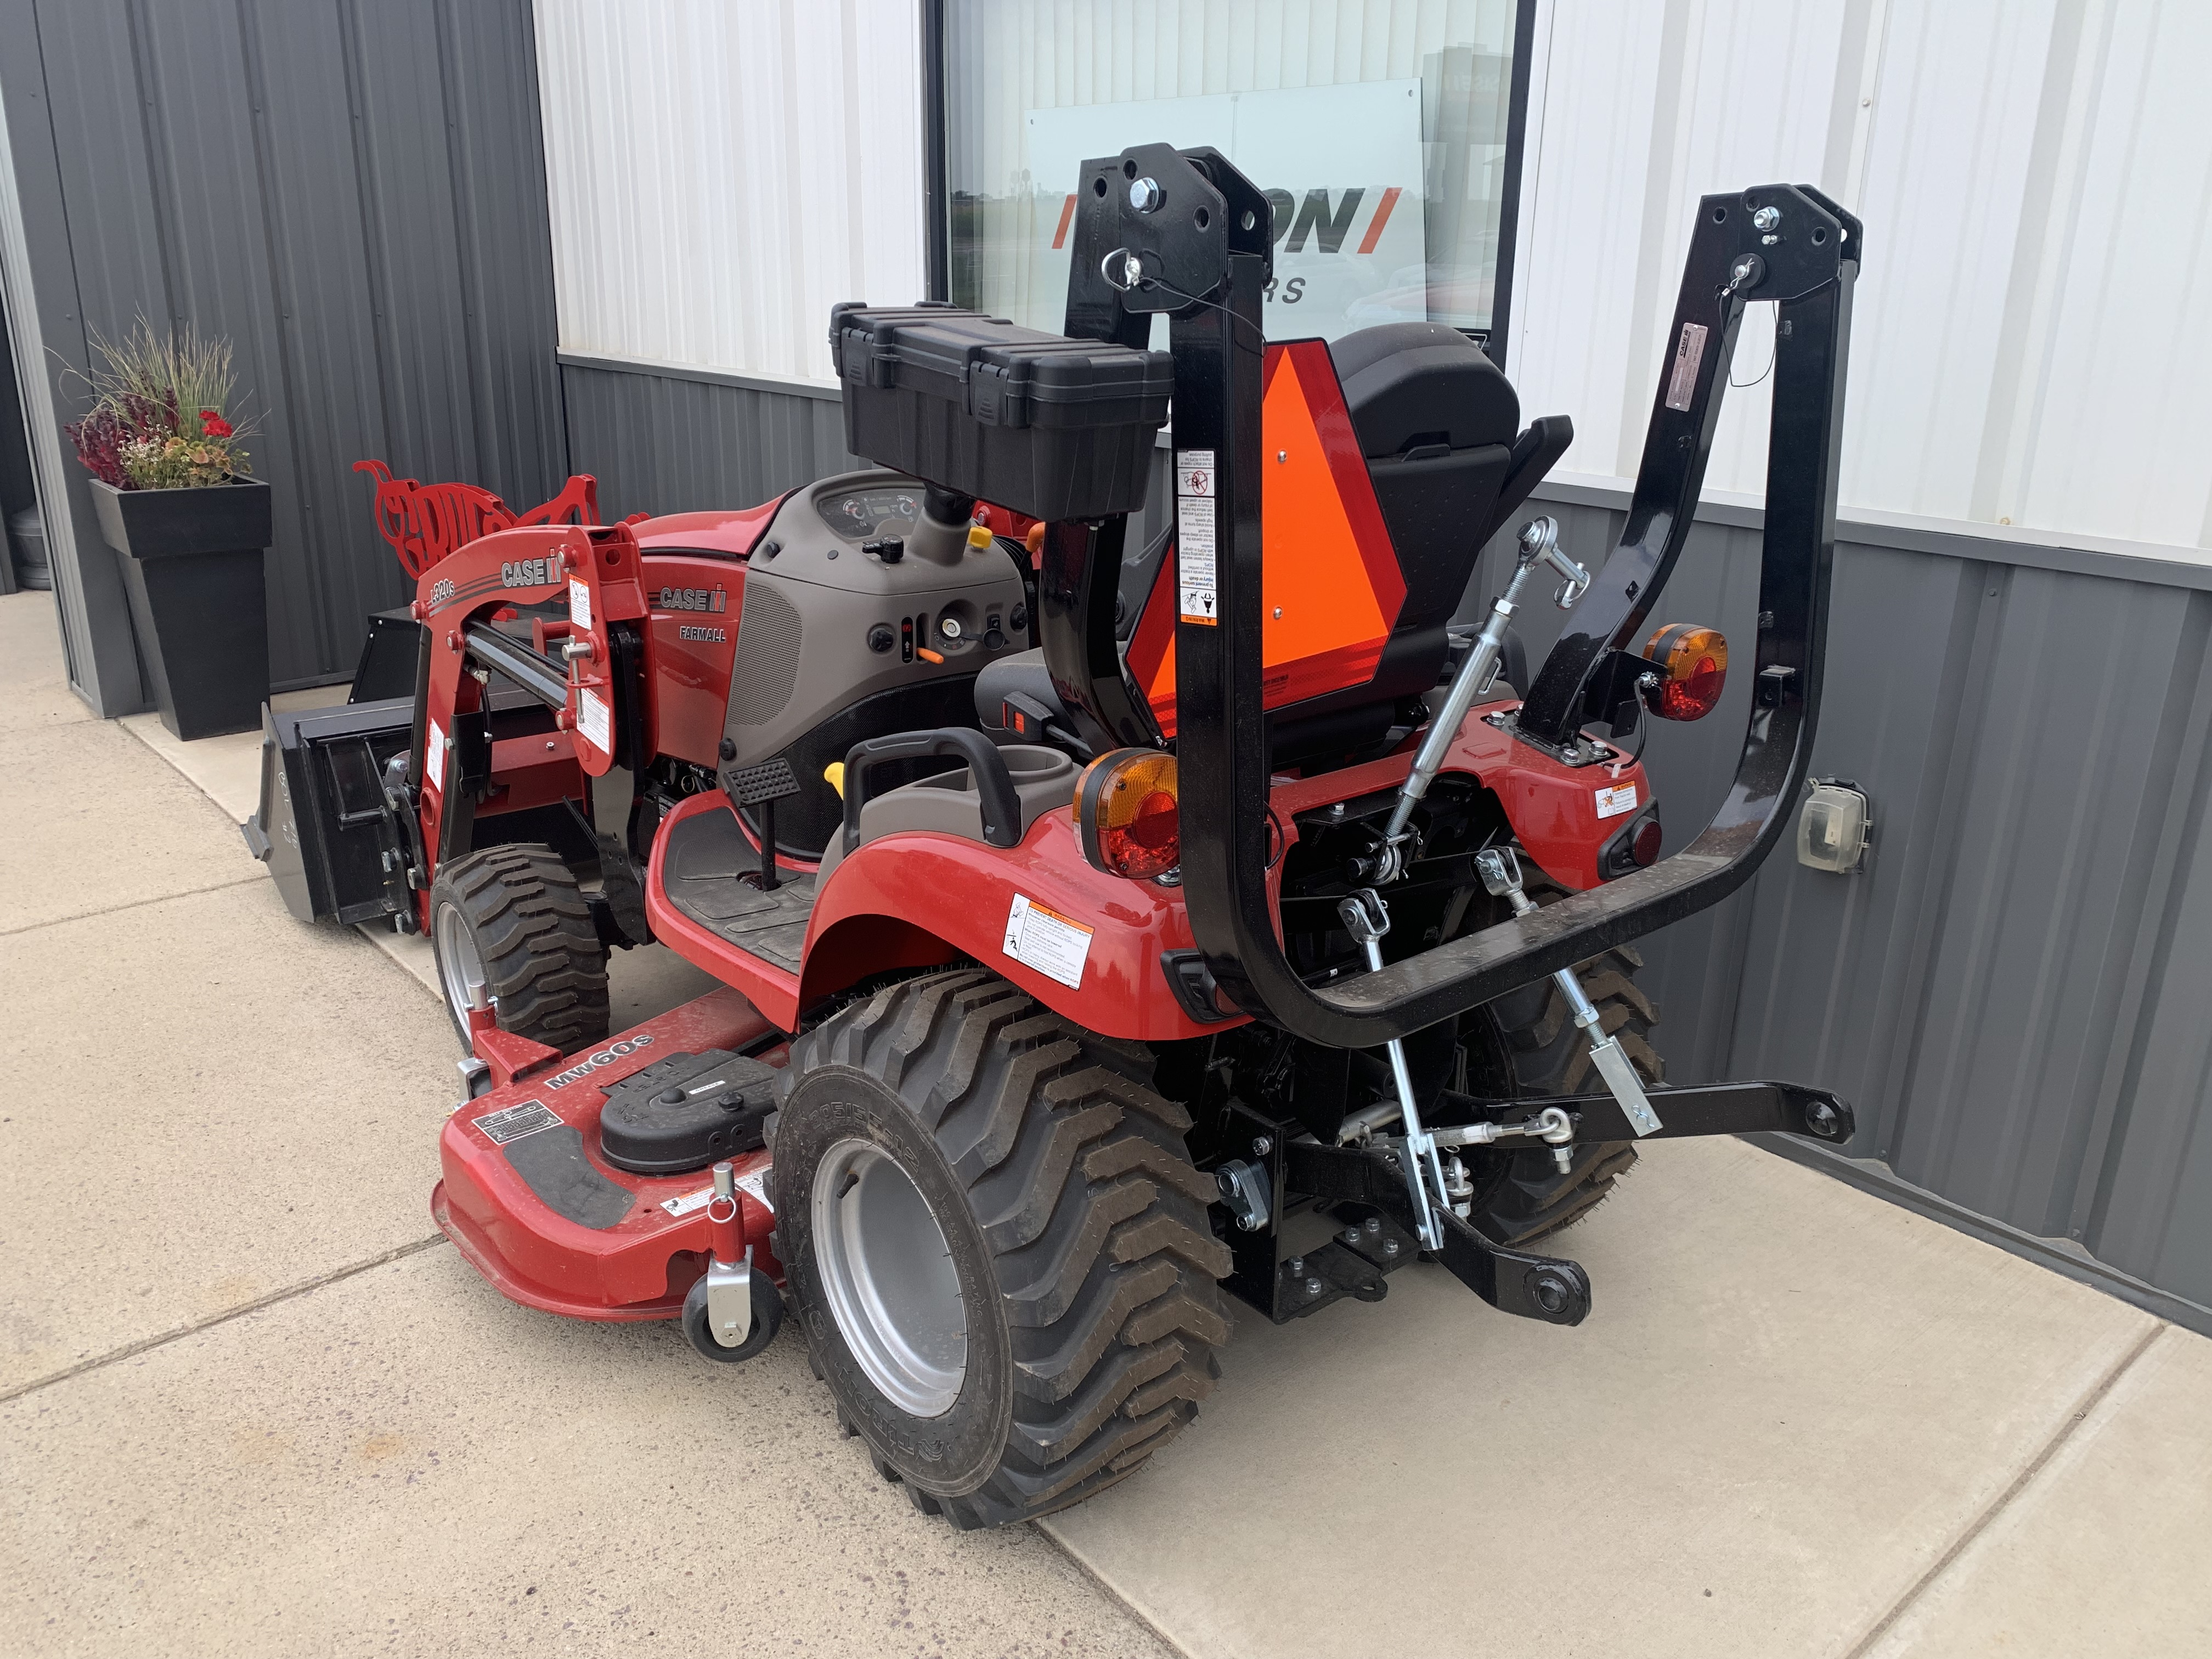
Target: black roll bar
(1784, 243)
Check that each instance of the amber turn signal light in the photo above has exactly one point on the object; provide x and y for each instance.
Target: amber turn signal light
(1692, 664)
(1126, 813)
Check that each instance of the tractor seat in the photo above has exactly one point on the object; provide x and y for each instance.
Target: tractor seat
(1437, 427)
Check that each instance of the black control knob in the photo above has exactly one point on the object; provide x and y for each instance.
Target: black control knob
(891, 548)
(881, 639)
(1019, 619)
(727, 748)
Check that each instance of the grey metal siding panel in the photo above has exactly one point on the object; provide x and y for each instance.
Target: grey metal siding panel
(47, 331)
(355, 195)
(664, 443)
(2014, 992)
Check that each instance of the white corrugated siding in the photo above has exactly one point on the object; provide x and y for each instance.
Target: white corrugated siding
(2034, 340)
(2034, 337)
(721, 174)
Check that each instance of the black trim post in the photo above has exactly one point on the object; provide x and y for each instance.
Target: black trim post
(936, 187)
(1495, 344)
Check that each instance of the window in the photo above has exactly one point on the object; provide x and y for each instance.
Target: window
(1378, 128)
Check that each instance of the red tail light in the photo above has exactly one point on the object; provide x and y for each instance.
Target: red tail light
(1692, 664)
(1127, 814)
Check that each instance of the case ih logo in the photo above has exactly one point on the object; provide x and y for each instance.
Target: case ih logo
(531, 572)
(693, 598)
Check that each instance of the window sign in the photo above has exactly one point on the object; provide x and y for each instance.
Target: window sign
(1378, 128)
(1341, 164)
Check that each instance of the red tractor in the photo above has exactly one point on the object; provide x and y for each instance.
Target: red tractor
(1247, 929)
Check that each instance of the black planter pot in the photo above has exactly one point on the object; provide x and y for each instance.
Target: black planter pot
(191, 564)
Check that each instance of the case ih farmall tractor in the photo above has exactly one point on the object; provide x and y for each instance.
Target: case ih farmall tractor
(1268, 940)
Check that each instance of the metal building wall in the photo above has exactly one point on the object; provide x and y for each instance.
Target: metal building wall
(680, 442)
(722, 175)
(2035, 320)
(355, 195)
(2012, 993)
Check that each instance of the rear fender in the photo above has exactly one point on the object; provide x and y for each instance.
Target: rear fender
(887, 891)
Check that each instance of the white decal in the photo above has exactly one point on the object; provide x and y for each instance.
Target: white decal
(756, 1183)
(753, 1181)
(580, 605)
(1046, 941)
(1195, 569)
(595, 721)
(1612, 803)
(433, 758)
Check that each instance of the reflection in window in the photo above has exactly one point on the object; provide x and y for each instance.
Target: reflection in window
(1377, 129)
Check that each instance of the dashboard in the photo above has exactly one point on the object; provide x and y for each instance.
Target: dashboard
(853, 513)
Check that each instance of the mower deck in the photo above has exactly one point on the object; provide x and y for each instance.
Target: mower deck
(533, 1204)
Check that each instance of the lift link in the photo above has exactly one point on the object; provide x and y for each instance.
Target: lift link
(1539, 544)
(1501, 873)
(1367, 919)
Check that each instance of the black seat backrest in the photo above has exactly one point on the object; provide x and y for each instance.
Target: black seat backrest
(1437, 421)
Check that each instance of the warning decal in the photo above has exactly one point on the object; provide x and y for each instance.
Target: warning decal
(1046, 941)
(580, 604)
(433, 758)
(756, 1183)
(595, 721)
(516, 1121)
(680, 1207)
(1198, 600)
(1612, 803)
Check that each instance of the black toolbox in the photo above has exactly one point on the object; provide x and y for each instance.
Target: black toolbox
(1038, 423)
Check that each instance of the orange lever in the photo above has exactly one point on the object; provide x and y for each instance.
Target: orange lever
(928, 655)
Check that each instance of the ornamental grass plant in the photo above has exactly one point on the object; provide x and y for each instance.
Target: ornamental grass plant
(158, 419)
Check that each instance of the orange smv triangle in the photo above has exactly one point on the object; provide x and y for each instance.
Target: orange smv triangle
(1329, 581)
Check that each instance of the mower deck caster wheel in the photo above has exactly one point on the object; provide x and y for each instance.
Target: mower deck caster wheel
(767, 1319)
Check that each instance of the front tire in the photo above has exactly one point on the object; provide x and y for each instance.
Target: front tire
(514, 917)
(997, 1246)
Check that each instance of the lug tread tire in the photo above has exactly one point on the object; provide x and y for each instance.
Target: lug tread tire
(1521, 1196)
(543, 963)
(1092, 1218)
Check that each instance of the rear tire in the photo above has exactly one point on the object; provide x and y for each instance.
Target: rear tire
(1042, 1313)
(1526, 1045)
(514, 917)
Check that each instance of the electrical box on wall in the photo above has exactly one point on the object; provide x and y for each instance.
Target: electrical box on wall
(1833, 828)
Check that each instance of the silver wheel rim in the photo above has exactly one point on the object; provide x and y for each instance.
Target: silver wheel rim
(458, 964)
(889, 1278)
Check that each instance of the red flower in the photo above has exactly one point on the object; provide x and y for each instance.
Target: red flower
(213, 424)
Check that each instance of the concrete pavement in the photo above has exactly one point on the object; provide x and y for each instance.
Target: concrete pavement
(250, 1403)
